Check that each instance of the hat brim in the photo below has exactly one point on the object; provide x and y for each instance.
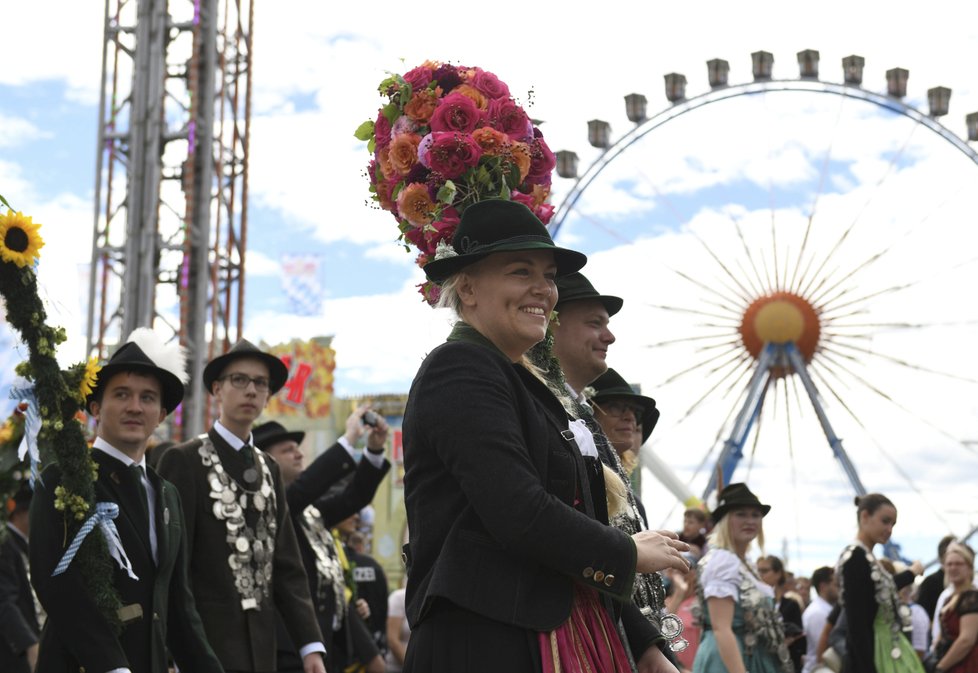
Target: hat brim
(722, 511)
(171, 385)
(650, 414)
(278, 373)
(568, 261)
(272, 440)
(611, 303)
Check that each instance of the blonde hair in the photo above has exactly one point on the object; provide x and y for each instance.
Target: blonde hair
(720, 535)
(962, 550)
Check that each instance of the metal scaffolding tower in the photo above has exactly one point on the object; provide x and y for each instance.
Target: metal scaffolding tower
(171, 181)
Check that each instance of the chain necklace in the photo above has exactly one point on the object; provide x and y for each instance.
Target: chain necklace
(329, 569)
(252, 550)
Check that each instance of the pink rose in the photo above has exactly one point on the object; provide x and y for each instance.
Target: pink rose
(457, 112)
(418, 77)
(489, 84)
(542, 162)
(444, 229)
(506, 116)
(543, 211)
(450, 154)
(382, 131)
(430, 292)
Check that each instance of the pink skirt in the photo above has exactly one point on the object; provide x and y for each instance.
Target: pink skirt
(587, 642)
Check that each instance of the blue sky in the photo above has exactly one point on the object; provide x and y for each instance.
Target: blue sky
(753, 160)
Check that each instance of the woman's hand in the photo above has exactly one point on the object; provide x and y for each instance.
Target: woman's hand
(654, 661)
(658, 551)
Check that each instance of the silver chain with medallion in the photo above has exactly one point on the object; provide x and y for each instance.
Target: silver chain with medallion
(329, 569)
(252, 550)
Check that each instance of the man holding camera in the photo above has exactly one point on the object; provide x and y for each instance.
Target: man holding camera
(332, 488)
(244, 555)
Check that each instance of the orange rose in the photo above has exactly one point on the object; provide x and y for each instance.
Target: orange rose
(415, 206)
(540, 194)
(382, 162)
(492, 141)
(520, 154)
(477, 96)
(403, 154)
(422, 105)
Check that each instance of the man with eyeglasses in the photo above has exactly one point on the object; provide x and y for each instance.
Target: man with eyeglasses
(244, 555)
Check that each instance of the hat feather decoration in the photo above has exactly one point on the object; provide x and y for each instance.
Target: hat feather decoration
(169, 356)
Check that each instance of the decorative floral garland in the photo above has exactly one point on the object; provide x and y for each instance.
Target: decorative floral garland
(447, 137)
(58, 395)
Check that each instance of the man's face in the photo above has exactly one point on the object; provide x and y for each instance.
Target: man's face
(349, 524)
(581, 341)
(241, 406)
(289, 458)
(129, 411)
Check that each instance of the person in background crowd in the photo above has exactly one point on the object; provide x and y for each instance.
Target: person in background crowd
(771, 570)
(315, 507)
(875, 641)
(134, 392)
(398, 631)
(957, 648)
(20, 617)
(930, 589)
(919, 623)
(244, 556)
(742, 630)
(682, 603)
(814, 618)
(369, 579)
(802, 591)
(510, 554)
(695, 529)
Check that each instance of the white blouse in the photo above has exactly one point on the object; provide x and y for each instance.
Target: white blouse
(721, 577)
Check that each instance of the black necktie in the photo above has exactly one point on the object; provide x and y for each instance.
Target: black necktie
(138, 474)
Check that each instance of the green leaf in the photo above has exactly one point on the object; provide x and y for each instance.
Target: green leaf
(504, 192)
(4, 202)
(446, 193)
(397, 190)
(365, 131)
(392, 111)
(371, 144)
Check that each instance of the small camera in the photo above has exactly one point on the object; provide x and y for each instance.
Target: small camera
(370, 418)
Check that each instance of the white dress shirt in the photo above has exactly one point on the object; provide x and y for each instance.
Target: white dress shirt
(813, 622)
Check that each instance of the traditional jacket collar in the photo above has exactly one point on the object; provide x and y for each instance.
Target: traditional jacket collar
(110, 450)
(462, 331)
(232, 439)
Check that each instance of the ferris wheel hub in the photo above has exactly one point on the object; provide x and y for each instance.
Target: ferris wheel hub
(780, 318)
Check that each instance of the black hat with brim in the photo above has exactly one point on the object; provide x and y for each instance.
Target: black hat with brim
(576, 287)
(611, 385)
(271, 433)
(131, 358)
(278, 373)
(736, 496)
(499, 225)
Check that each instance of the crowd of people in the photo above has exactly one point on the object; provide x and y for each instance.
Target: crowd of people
(528, 548)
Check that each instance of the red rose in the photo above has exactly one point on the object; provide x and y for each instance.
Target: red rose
(543, 211)
(382, 131)
(418, 77)
(457, 112)
(444, 229)
(542, 162)
(506, 116)
(449, 154)
(489, 84)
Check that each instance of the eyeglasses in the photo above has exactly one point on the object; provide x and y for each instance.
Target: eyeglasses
(763, 570)
(241, 381)
(618, 408)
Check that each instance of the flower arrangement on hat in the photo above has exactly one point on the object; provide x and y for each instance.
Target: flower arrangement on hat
(447, 137)
(51, 423)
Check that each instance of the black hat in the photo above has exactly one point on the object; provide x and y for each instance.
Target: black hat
(278, 373)
(575, 287)
(737, 495)
(166, 365)
(611, 385)
(268, 434)
(499, 225)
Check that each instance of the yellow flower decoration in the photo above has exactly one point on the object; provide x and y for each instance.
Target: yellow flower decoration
(20, 242)
(89, 378)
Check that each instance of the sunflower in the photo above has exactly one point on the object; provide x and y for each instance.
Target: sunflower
(89, 378)
(19, 241)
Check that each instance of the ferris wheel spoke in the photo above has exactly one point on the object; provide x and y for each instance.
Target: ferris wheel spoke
(902, 407)
(750, 258)
(745, 292)
(704, 363)
(693, 311)
(614, 233)
(684, 340)
(896, 325)
(905, 363)
(712, 290)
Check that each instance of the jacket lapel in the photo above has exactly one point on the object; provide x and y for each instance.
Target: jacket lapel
(115, 478)
(162, 516)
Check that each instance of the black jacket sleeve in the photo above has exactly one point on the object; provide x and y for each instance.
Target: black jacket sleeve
(860, 609)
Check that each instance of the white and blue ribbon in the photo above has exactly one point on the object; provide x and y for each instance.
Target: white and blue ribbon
(105, 512)
(32, 426)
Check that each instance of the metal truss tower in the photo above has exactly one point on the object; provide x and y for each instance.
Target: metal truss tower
(171, 181)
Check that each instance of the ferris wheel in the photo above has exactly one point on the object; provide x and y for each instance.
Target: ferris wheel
(802, 263)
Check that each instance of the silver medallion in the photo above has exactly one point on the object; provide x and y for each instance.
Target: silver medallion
(241, 544)
(259, 501)
(227, 496)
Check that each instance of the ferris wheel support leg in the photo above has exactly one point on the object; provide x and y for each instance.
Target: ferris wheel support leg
(733, 447)
(801, 369)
